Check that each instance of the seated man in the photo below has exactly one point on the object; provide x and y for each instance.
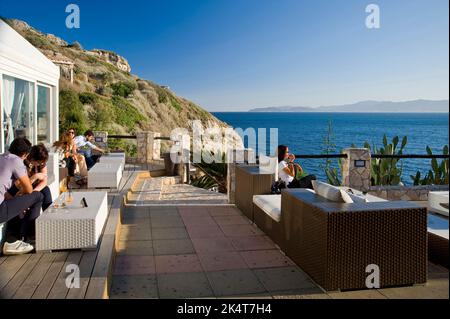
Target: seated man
(85, 147)
(27, 206)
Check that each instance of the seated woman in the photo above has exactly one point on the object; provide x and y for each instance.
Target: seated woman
(36, 164)
(291, 173)
(75, 162)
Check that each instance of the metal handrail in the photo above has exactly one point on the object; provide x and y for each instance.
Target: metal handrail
(426, 156)
(131, 137)
(378, 156)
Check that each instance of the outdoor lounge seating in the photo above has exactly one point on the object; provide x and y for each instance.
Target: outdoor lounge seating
(335, 242)
(438, 202)
(105, 175)
(73, 226)
(267, 216)
(251, 181)
(113, 158)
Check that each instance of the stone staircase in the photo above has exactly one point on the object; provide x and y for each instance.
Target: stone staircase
(154, 189)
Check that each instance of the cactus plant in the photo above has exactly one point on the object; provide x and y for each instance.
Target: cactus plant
(438, 174)
(386, 171)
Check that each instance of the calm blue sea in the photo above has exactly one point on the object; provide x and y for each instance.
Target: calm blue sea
(304, 132)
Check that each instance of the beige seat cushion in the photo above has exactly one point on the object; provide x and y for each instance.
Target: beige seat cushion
(332, 193)
(270, 204)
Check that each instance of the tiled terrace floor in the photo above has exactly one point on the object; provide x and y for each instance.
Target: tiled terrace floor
(214, 252)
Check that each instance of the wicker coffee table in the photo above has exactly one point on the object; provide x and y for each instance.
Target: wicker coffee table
(72, 226)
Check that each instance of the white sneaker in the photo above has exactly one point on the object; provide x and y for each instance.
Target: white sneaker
(17, 248)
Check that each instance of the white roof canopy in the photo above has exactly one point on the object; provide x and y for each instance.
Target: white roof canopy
(20, 58)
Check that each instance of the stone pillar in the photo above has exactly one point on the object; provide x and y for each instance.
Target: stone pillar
(148, 148)
(236, 157)
(356, 169)
(101, 139)
(156, 145)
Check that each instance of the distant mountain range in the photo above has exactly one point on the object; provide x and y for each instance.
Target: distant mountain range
(416, 106)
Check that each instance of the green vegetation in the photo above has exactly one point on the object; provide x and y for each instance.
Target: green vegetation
(129, 147)
(386, 171)
(71, 112)
(88, 98)
(101, 117)
(214, 176)
(437, 175)
(125, 114)
(174, 103)
(123, 89)
(329, 147)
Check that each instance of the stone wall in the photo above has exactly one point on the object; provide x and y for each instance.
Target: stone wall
(407, 193)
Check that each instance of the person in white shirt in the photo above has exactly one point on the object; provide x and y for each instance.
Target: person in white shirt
(85, 146)
(289, 171)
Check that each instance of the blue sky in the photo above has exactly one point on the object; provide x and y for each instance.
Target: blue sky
(230, 55)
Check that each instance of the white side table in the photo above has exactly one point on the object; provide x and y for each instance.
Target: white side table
(73, 227)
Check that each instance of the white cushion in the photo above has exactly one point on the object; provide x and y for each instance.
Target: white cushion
(270, 204)
(356, 196)
(435, 199)
(346, 197)
(330, 192)
(268, 165)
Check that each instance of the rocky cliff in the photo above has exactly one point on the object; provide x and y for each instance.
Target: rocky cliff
(98, 91)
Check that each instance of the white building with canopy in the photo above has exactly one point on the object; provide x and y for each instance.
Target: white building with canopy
(28, 91)
(28, 98)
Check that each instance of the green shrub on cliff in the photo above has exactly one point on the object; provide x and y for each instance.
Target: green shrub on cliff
(125, 114)
(71, 112)
(123, 89)
(88, 98)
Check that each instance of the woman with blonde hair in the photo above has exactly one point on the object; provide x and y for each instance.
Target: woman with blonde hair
(75, 162)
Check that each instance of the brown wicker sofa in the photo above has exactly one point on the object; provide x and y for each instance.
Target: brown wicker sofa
(335, 242)
(249, 182)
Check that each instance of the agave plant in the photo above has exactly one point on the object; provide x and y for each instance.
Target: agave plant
(438, 174)
(214, 175)
(386, 171)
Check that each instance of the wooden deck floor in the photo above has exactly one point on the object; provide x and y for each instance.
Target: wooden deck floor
(43, 275)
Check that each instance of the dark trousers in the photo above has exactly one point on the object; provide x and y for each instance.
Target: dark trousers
(16, 224)
(305, 182)
(30, 204)
(71, 166)
(46, 202)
